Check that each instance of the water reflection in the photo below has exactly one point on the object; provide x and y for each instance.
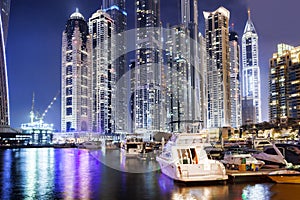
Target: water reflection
(257, 191)
(285, 191)
(80, 174)
(37, 168)
(5, 174)
(117, 160)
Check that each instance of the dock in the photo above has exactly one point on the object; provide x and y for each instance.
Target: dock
(261, 175)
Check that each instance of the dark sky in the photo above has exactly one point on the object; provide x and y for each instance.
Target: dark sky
(35, 31)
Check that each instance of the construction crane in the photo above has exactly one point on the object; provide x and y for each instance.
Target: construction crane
(36, 116)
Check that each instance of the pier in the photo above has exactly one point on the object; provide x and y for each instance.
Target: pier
(236, 176)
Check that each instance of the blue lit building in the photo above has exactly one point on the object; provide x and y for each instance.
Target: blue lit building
(76, 87)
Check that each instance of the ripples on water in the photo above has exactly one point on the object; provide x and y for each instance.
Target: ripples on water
(48, 173)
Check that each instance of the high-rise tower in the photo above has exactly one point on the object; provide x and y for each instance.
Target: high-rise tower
(284, 85)
(76, 72)
(148, 66)
(178, 87)
(251, 75)
(218, 67)
(102, 30)
(117, 11)
(4, 98)
(189, 19)
(235, 92)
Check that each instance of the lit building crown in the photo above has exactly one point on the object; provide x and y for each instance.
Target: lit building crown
(249, 25)
(77, 15)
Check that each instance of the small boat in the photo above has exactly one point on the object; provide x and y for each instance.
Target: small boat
(92, 144)
(233, 159)
(132, 146)
(285, 176)
(184, 159)
(80, 145)
(111, 144)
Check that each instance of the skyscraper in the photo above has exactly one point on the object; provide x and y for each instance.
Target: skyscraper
(189, 19)
(102, 30)
(250, 75)
(235, 92)
(116, 10)
(185, 59)
(177, 85)
(4, 98)
(148, 66)
(284, 97)
(76, 72)
(218, 67)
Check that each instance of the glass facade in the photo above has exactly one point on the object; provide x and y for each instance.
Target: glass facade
(117, 11)
(76, 76)
(218, 67)
(235, 93)
(102, 30)
(148, 66)
(284, 84)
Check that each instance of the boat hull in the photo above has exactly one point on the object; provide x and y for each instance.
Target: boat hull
(285, 176)
(200, 172)
(294, 179)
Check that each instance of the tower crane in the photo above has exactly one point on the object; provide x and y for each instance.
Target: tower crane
(41, 118)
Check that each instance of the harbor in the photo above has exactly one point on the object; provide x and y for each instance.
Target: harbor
(73, 173)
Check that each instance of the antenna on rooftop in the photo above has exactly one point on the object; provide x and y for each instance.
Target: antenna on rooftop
(32, 109)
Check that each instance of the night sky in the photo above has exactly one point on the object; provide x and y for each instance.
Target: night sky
(35, 32)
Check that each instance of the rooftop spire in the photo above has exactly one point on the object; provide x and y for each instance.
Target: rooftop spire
(77, 15)
(249, 24)
(249, 14)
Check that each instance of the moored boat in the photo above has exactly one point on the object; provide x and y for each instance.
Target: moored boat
(233, 159)
(92, 144)
(285, 176)
(111, 144)
(185, 159)
(132, 146)
(272, 159)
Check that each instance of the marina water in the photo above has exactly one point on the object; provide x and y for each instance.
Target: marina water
(71, 173)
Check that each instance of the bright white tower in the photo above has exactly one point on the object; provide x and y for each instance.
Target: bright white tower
(251, 75)
(102, 30)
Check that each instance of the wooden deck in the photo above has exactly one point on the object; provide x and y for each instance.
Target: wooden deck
(249, 176)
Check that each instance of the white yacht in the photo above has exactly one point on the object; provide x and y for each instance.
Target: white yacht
(185, 159)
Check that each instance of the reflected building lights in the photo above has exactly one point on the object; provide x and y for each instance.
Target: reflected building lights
(257, 191)
(39, 172)
(6, 179)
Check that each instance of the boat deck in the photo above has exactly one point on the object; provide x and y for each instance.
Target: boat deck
(249, 176)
